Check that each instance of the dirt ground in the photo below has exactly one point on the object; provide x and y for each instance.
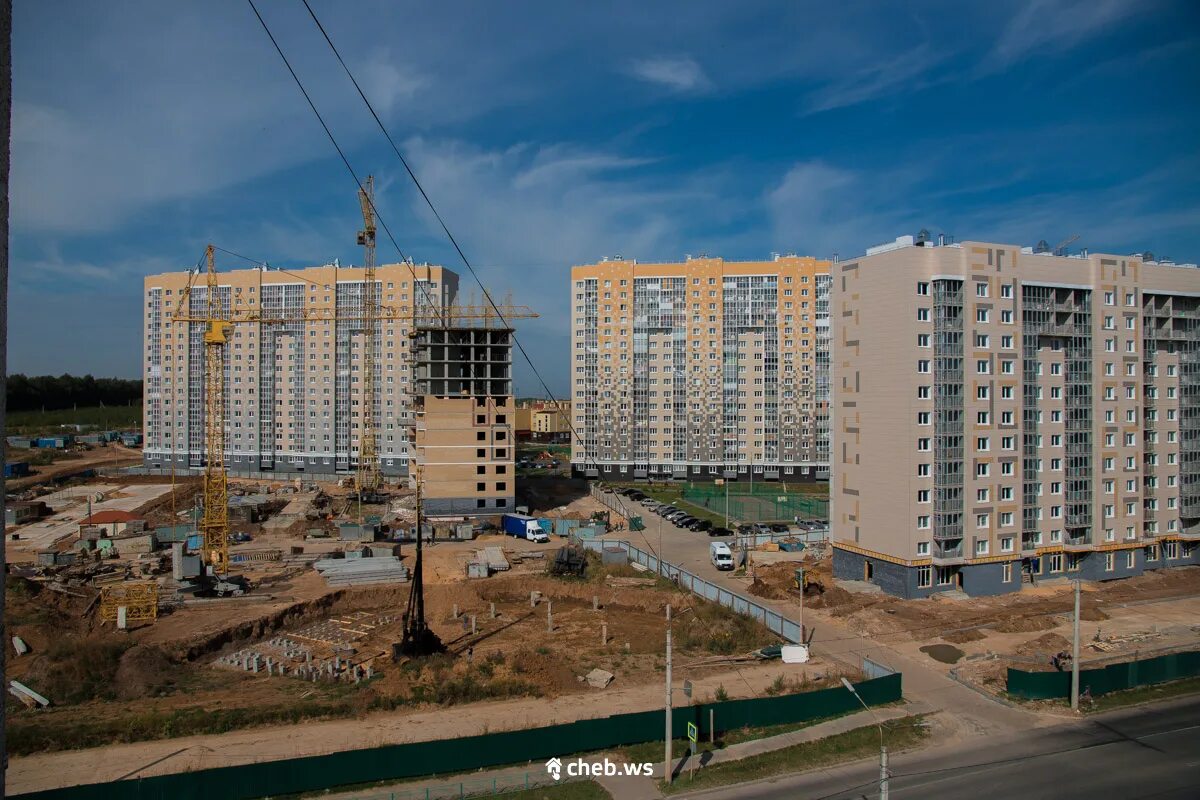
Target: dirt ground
(113, 455)
(1152, 613)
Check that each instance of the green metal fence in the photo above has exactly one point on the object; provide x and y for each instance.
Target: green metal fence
(448, 756)
(757, 502)
(1102, 680)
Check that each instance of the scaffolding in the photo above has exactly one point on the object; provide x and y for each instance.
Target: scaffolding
(140, 601)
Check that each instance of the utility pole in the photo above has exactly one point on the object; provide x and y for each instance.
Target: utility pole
(667, 762)
(1075, 655)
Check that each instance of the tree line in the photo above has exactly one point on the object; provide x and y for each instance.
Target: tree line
(37, 392)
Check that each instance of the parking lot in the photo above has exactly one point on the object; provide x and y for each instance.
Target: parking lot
(682, 546)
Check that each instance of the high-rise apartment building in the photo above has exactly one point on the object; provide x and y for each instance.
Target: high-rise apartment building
(699, 369)
(1003, 415)
(294, 389)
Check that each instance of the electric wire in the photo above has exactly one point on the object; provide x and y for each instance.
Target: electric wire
(346, 161)
(445, 229)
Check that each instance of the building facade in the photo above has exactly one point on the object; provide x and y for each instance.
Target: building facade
(1005, 416)
(701, 369)
(293, 384)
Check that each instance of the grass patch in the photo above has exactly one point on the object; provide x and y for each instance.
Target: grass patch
(901, 734)
(107, 418)
(577, 790)
(1145, 694)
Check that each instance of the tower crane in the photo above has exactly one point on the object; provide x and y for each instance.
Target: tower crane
(218, 323)
(367, 479)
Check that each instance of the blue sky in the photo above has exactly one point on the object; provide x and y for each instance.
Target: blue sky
(551, 134)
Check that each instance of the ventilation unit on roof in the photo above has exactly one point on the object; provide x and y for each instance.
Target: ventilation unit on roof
(922, 237)
(1042, 246)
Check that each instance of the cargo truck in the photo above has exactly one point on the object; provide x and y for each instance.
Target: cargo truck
(523, 526)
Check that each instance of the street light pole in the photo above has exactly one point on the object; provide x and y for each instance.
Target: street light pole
(1075, 655)
(667, 761)
(883, 754)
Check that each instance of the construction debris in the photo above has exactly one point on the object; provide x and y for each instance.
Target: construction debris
(20, 646)
(599, 679)
(26, 695)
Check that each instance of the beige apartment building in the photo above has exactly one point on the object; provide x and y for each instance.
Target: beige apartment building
(294, 400)
(700, 369)
(1004, 415)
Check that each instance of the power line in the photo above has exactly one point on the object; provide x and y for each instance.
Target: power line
(370, 201)
(445, 228)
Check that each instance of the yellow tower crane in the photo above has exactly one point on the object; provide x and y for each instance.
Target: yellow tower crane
(367, 482)
(214, 526)
(218, 323)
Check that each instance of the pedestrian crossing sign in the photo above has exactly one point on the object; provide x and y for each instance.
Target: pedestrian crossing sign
(692, 732)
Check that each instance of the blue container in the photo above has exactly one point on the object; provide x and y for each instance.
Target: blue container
(16, 469)
(547, 525)
(195, 542)
(563, 527)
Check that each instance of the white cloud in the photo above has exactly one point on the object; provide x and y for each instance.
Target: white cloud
(819, 210)
(679, 74)
(905, 72)
(1055, 24)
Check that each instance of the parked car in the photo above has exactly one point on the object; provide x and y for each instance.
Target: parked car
(685, 521)
(637, 496)
(720, 532)
(701, 525)
(779, 528)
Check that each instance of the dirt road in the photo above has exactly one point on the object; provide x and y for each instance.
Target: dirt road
(68, 768)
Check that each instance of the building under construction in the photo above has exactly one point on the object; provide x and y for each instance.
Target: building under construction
(295, 386)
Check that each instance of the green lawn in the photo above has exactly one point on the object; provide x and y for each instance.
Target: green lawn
(1145, 694)
(577, 790)
(901, 734)
(107, 418)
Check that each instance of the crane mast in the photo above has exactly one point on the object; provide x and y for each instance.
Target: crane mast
(215, 524)
(367, 478)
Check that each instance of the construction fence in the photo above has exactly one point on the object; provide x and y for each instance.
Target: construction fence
(451, 756)
(757, 502)
(773, 620)
(1102, 680)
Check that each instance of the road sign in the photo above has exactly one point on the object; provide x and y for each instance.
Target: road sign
(692, 732)
(687, 688)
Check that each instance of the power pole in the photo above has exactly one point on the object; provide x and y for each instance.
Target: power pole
(1075, 655)
(667, 762)
(5, 134)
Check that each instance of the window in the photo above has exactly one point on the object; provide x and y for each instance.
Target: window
(1110, 561)
(1006, 572)
(981, 521)
(922, 340)
(922, 417)
(1130, 559)
(1110, 298)
(981, 290)
(923, 366)
(981, 547)
(1006, 544)
(922, 495)
(945, 576)
(923, 524)
(922, 315)
(924, 577)
(982, 314)
(1006, 317)
(1056, 562)
(922, 288)
(1006, 291)
(922, 548)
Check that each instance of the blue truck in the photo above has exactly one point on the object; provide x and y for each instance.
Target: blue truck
(523, 526)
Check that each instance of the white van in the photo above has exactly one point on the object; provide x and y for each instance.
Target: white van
(720, 555)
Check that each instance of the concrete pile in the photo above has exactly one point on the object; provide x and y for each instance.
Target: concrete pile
(360, 571)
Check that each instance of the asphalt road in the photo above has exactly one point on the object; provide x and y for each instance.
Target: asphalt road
(1148, 752)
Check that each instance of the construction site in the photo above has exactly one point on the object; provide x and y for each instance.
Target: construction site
(187, 595)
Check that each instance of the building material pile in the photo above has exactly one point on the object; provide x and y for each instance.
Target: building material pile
(360, 571)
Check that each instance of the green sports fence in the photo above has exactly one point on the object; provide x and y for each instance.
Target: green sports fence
(757, 502)
(1102, 680)
(448, 756)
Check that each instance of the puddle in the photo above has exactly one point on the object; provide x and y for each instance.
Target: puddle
(945, 653)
